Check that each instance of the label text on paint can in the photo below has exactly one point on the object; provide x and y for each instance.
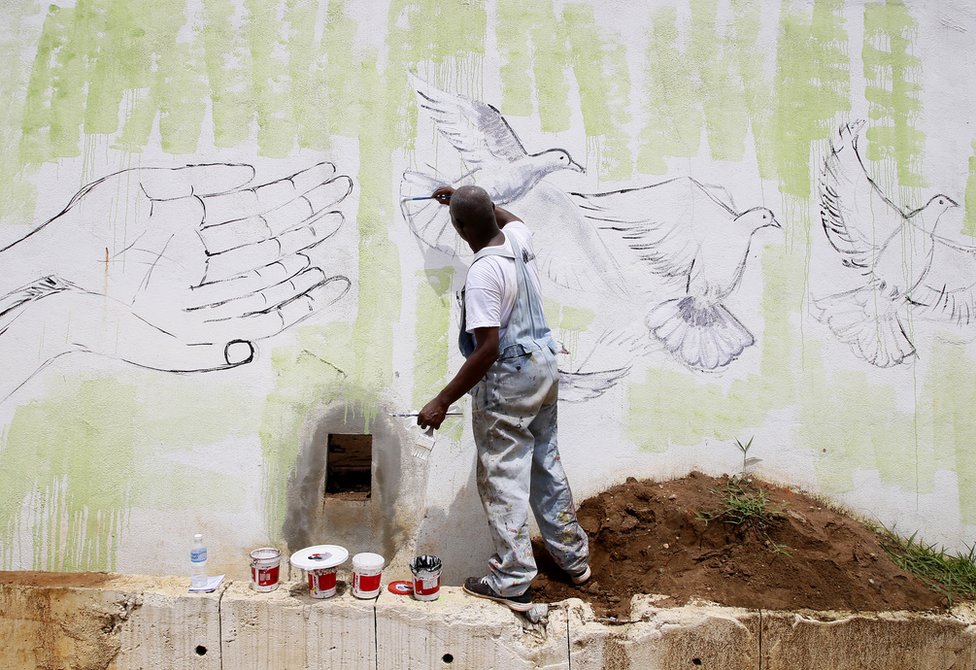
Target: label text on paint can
(322, 583)
(366, 583)
(265, 576)
(427, 586)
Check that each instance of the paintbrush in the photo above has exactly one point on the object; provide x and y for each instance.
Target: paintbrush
(424, 444)
(454, 412)
(443, 199)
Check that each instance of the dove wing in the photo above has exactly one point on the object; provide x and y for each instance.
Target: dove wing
(856, 215)
(947, 292)
(582, 386)
(477, 130)
(663, 225)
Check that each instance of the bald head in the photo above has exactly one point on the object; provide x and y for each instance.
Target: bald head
(473, 215)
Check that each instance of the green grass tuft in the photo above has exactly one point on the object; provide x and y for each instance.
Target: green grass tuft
(952, 575)
(748, 506)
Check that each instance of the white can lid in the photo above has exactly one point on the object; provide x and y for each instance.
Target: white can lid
(368, 561)
(319, 557)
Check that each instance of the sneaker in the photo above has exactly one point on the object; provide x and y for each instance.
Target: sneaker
(581, 578)
(479, 588)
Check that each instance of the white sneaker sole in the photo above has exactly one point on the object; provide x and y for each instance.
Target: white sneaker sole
(518, 607)
(581, 579)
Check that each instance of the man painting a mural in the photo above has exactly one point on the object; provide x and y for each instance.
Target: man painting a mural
(510, 371)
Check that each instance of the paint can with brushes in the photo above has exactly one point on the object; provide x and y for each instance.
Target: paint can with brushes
(426, 571)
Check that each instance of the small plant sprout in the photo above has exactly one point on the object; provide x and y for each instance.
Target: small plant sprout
(746, 460)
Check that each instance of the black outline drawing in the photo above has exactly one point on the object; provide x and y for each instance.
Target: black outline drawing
(494, 156)
(690, 233)
(182, 274)
(909, 268)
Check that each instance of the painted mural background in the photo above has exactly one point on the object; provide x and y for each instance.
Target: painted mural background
(754, 218)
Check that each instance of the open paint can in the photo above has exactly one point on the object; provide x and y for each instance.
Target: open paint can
(320, 563)
(426, 571)
(265, 569)
(367, 570)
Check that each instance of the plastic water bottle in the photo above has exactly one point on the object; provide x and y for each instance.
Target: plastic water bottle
(198, 563)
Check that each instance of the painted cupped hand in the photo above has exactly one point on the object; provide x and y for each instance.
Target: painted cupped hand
(184, 268)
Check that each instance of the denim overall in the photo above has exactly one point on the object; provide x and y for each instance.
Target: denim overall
(514, 424)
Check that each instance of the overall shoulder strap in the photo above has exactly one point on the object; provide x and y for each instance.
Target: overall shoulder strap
(499, 250)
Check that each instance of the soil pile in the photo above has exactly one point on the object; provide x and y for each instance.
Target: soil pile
(651, 537)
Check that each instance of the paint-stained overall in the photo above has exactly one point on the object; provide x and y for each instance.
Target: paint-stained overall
(174, 338)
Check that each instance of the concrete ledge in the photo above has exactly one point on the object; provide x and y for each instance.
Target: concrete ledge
(97, 621)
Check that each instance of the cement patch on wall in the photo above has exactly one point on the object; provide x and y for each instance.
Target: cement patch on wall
(94, 620)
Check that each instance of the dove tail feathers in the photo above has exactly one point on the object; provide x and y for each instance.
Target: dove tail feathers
(429, 220)
(705, 337)
(867, 321)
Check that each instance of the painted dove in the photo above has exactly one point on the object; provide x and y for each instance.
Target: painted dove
(908, 266)
(686, 231)
(494, 156)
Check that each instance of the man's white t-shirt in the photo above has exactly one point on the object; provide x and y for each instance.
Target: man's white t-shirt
(491, 285)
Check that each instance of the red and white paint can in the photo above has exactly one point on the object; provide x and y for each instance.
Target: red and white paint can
(367, 571)
(265, 569)
(322, 583)
(426, 571)
(320, 563)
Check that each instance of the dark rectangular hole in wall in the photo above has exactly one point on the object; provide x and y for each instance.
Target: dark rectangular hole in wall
(348, 466)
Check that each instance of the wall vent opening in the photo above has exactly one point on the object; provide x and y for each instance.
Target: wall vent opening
(348, 466)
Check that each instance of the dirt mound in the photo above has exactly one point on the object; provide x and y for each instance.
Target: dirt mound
(651, 537)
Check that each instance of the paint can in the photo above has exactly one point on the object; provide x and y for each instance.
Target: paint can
(426, 571)
(322, 582)
(265, 569)
(320, 563)
(367, 570)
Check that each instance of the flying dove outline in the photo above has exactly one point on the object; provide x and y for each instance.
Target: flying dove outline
(690, 233)
(495, 158)
(909, 267)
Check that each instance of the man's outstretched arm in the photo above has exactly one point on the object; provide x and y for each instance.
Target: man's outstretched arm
(474, 369)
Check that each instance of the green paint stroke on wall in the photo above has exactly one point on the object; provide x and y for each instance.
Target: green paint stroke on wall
(88, 453)
(107, 55)
(674, 117)
(379, 260)
(342, 106)
(430, 367)
(269, 77)
(567, 317)
(678, 407)
(308, 75)
(56, 79)
(851, 424)
(812, 89)
(17, 195)
(969, 222)
(699, 85)
(444, 41)
(600, 66)
(531, 40)
(747, 16)
(76, 451)
(228, 64)
(892, 73)
(950, 396)
(311, 374)
(721, 89)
